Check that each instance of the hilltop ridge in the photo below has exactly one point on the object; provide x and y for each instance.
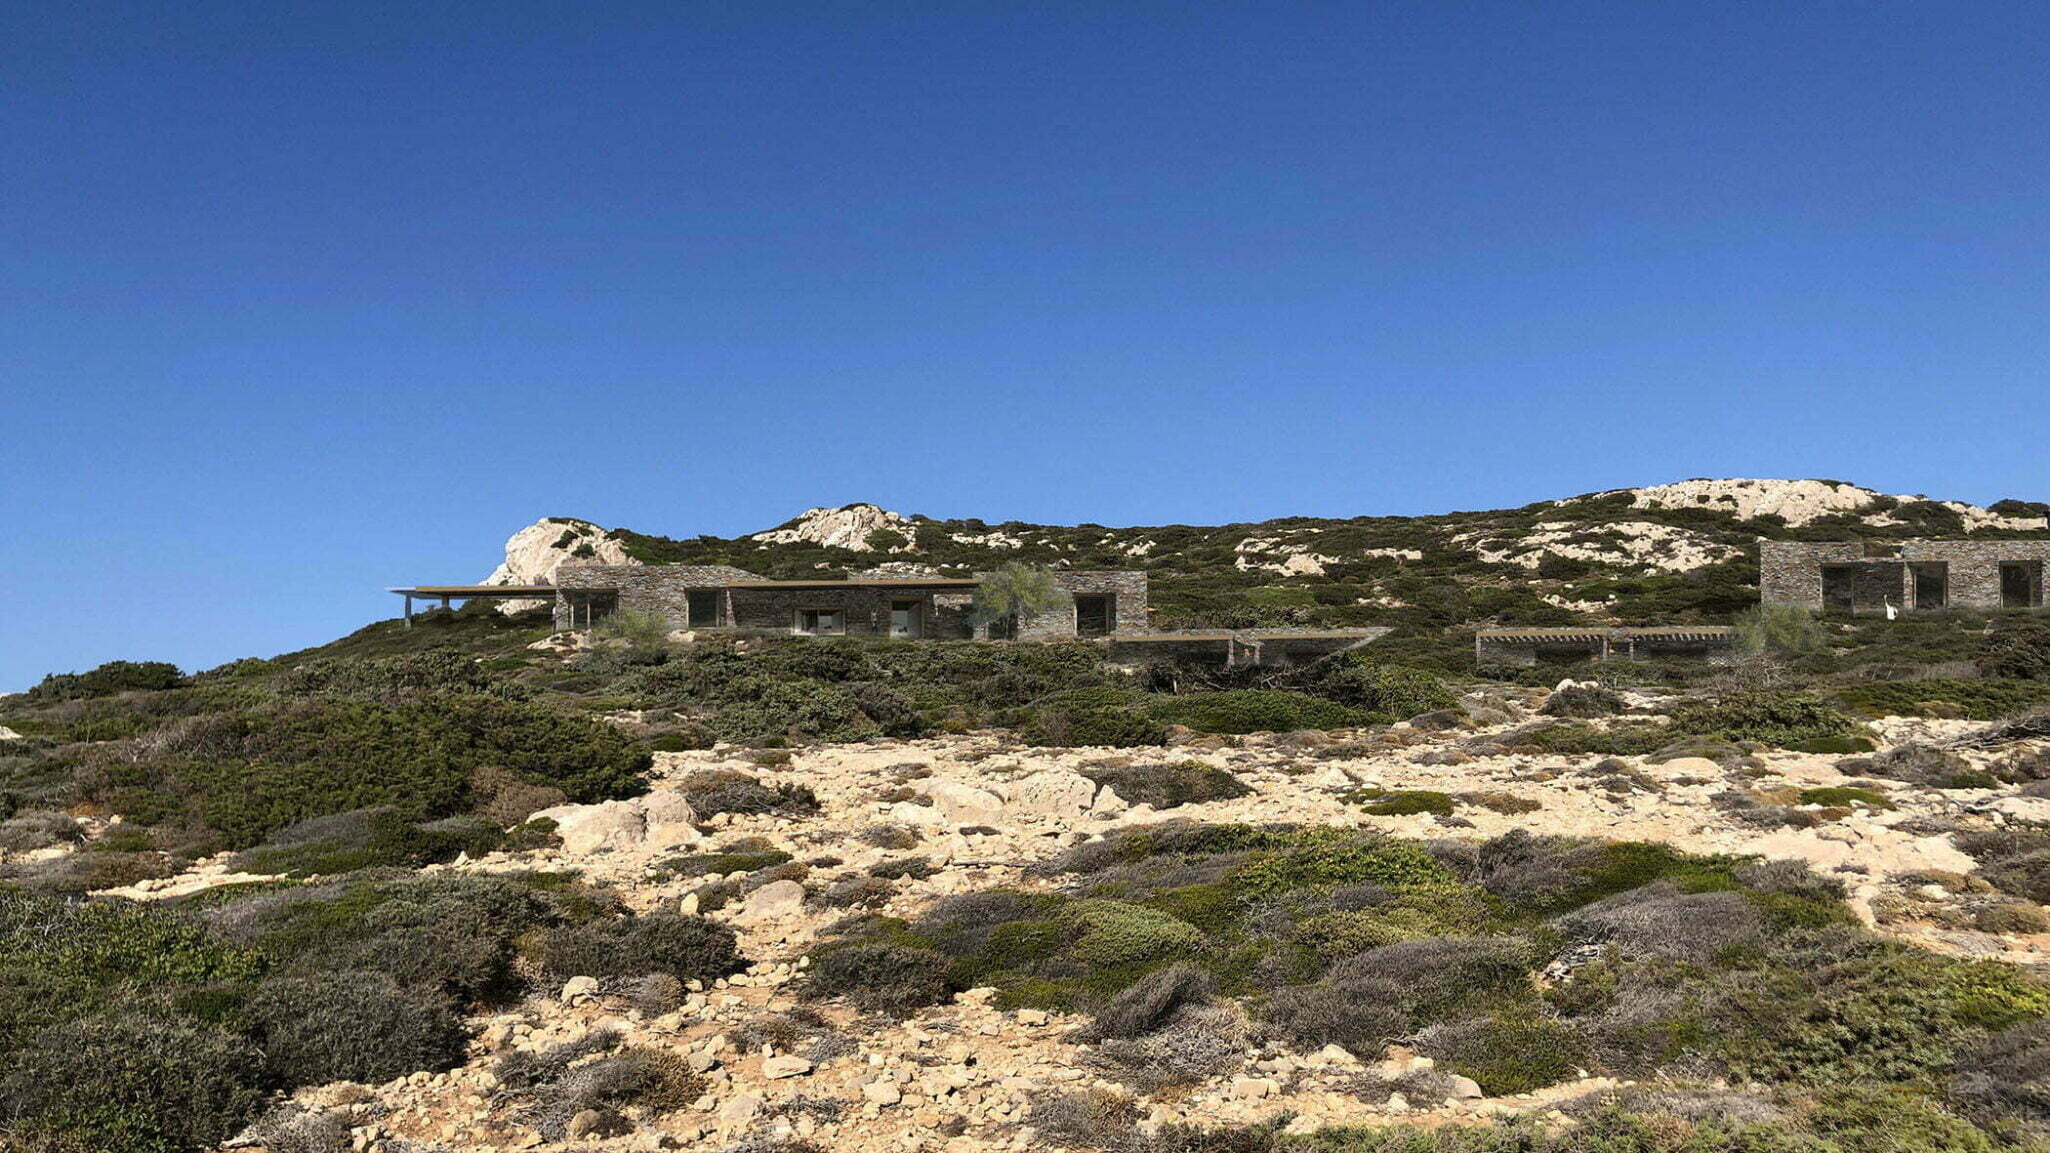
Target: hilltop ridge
(1683, 550)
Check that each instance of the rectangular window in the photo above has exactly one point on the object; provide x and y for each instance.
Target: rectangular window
(1092, 616)
(704, 608)
(2021, 584)
(1932, 585)
(821, 622)
(907, 618)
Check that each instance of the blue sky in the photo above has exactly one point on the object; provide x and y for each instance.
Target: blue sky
(299, 301)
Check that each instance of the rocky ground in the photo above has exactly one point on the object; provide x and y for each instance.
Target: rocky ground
(977, 810)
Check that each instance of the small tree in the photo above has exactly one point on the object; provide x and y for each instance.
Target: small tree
(644, 635)
(1772, 630)
(1015, 592)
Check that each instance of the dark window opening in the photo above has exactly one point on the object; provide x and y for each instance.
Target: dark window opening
(590, 608)
(1932, 586)
(907, 618)
(1092, 616)
(704, 608)
(821, 622)
(2021, 585)
(1839, 590)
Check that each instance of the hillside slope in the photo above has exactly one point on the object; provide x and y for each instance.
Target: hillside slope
(1684, 551)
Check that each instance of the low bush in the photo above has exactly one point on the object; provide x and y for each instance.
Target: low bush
(687, 948)
(107, 680)
(1118, 727)
(393, 679)
(879, 977)
(123, 1083)
(1401, 802)
(2019, 649)
(1845, 795)
(367, 838)
(1251, 711)
(1980, 699)
(1583, 701)
(1379, 693)
(353, 1026)
(252, 773)
(1144, 1005)
(715, 791)
(1507, 1054)
(1781, 719)
(1170, 785)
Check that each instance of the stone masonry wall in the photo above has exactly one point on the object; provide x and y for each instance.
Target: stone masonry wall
(1790, 572)
(665, 589)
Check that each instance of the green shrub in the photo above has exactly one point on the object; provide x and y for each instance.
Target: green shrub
(879, 977)
(1984, 699)
(392, 679)
(1251, 711)
(1845, 795)
(1170, 785)
(688, 948)
(1120, 933)
(1778, 630)
(254, 773)
(352, 1026)
(1401, 802)
(107, 680)
(1583, 701)
(1382, 694)
(1117, 728)
(715, 791)
(454, 933)
(128, 1084)
(1773, 718)
(2018, 649)
(367, 838)
(792, 710)
(1508, 1054)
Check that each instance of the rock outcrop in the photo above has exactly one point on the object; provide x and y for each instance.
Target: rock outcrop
(847, 527)
(533, 554)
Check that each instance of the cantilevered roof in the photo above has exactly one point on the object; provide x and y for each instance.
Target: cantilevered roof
(521, 592)
(876, 583)
(1598, 632)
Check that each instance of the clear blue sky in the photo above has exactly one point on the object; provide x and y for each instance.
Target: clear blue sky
(303, 300)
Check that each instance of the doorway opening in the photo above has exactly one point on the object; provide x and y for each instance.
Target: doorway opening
(1093, 616)
(907, 618)
(703, 608)
(2021, 585)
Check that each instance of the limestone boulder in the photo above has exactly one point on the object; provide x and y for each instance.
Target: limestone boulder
(667, 807)
(959, 803)
(600, 828)
(775, 899)
(1049, 794)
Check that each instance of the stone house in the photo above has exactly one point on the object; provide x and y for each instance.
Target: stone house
(720, 597)
(1909, 575)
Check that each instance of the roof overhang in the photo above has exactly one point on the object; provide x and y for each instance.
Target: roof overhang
(508, 592)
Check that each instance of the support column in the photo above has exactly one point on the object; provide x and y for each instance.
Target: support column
(409, 610)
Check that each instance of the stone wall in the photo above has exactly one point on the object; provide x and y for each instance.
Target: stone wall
(1790, 572)
(665, 590)
(867, 610)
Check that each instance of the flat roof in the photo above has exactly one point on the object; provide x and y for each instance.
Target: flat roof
(520, 592)
(877, 583)
(1597, 632)
(1250, 636)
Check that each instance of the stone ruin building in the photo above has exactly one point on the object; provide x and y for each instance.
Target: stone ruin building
(1908, 575)
(1107, 605)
